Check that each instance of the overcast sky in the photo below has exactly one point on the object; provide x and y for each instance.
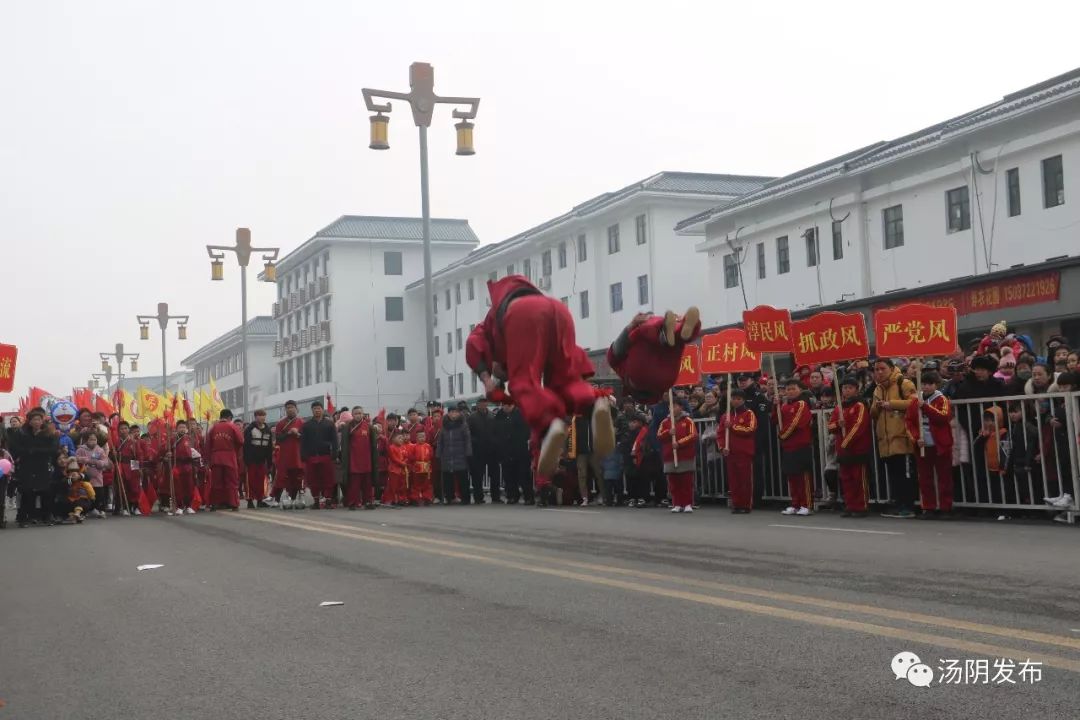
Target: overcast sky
(134, 132)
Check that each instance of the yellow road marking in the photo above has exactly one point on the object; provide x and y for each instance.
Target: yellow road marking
(796, 615)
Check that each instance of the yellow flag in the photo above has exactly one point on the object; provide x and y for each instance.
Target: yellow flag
(207, 406)
(126, 410)
(216, 403)
(151, 405)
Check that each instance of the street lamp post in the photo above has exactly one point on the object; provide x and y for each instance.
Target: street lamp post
(163, 317)
(422, 99)
(243, 252)
(120, 356)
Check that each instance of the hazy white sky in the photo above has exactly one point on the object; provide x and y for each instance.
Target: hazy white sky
(134, 132)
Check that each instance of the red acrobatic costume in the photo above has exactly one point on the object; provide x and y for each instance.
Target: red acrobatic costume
(647, 353)
(529, 337)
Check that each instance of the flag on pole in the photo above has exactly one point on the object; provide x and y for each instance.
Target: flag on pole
(215, 397)
(189, 412)
(329, 404)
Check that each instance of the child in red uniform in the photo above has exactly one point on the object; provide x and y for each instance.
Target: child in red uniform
(184, 469)
(853, 448)
(528, 339)
(127, 467)
(935, 442)
(739, 453)
(288, 468)
(222, 442)
(797, 457)
(397, 469)
(421, 456)
(678, 447)
(358, 443)
(647, 353)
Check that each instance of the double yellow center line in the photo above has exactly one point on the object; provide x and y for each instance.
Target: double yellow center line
(572, 570)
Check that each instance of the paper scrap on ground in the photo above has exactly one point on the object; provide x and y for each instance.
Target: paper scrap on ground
(149, 567)
(330, 603)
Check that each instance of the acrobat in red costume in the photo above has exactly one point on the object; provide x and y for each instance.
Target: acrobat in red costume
(647, 353)
(528, 339)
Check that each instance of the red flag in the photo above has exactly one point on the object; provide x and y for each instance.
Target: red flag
(768, 329)
(915, 330)
(329, 405)
(728, 352)
(189, 412)
(830, 337)
(146, 502)
(380, 419)
(103, 406)
(24, 406)
(9, 356)
(196, 498)
(689, 366)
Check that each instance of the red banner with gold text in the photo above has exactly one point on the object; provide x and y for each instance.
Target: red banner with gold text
(830, 337)
(728, 352)
(768, 329)
(915, 330)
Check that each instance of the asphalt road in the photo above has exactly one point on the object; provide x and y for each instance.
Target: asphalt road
(513, 612)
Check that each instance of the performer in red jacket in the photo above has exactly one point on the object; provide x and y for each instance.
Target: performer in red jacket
(361, 462)
(854, 441)
(797, 457)
(935, 442)
(528, 339)
(127, 454)
(739, 455)
(222, 442)
(397, 469)
(647, 353)
(421, 456)
(678, 447)
(184, 469)
(288, 467)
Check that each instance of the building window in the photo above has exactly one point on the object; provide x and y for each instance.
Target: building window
(1053, 182)
(447, 298)
(329, 369)
(613, 240)
(318, 366)
(837, 240)
(316, 307)
(958, 204)
(493, 276)
(1012, 184)
(510, 269)
(616, 297)
(639, 229)
(761, 261)
(894, 226)
(457, 336)
(449, 343)
(436, 344)
(289, 374)
(811, 247)
(326, 308)
(584, 304)
(391, 262)
(562, 255)
(435, 304)
(307, 369)
(457, 293)
(438, 388)
(450, 384)
(307, 316)
(582, 249)
(461, 383)
(545, 263)
(526, 268)
(472, 381)
(731, 271)
(281, 379)
(395, 359)
(395, 309)
(783, 259)
(471, 285)
(643, 290)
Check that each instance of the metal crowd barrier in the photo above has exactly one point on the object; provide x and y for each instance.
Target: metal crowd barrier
(1054, 467)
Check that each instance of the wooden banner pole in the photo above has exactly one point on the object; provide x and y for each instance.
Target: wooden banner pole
(727, 425)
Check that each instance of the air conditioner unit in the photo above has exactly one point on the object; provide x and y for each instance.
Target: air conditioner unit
(544, 283)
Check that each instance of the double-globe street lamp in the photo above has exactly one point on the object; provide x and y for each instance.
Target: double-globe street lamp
(120, 356)
(243, 250)
(422, 98)
(163, 317)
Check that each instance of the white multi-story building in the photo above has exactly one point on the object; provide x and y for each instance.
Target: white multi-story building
(607, 259)
(223, 360)
(974, 211)
(344, 324)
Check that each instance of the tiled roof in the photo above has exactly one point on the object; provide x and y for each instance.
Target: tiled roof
(259, 327)
(670, 183)
(1044, 93)
(398, 228)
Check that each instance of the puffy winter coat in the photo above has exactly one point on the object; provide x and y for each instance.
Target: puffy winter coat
(454, 446)
(889, 428)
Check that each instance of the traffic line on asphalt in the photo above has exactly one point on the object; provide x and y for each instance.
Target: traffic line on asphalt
(853, 530)
(576, 512)
(457, 550)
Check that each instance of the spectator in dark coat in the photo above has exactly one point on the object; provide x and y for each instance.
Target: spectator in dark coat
(512, 442)
(454, 448)
(482, 431)
(35, 447)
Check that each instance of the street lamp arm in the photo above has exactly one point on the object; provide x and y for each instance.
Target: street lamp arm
(370, 95)
(473, 103)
